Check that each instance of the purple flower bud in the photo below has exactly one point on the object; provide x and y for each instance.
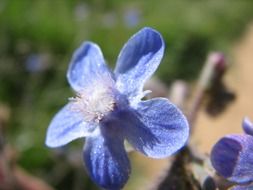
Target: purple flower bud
(247, 126)
(232, 157)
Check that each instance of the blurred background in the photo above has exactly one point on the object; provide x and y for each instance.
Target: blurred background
(37, 39)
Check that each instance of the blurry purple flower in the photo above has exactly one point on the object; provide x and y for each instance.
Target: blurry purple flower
(37, 62)
(108, 109)
(232, 157)
(81, 11)
(109, 19)
(132, 17)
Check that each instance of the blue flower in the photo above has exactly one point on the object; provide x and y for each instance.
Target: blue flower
(232, 157)
(108, 109)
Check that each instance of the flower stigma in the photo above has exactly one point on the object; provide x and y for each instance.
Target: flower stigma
(94, 102)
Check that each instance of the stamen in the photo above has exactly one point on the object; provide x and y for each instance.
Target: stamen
(94, 102)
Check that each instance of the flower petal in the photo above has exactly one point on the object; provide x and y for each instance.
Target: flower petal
(87, 64)
(158, 129)
(138, 60)
(232, 157)
(66, 126)
(242, 187)
(247, 126)
(106, 161)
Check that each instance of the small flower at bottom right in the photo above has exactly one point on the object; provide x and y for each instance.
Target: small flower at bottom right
(232, 157)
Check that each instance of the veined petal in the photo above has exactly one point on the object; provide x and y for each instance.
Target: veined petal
(247, 126)
(242, 187)
(232, 157)
(158, 129)
(138, 60)
(66, 126)
(87, 65)
(106, 161)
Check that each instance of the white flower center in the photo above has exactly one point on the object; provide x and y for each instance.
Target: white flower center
(94, 102)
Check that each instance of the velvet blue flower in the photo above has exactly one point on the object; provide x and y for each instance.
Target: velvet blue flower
(232, 157)
(108, 109)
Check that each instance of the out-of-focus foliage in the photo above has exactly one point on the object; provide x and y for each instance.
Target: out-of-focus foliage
(37, 39)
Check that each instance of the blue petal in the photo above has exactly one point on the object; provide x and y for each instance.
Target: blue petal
(87, 65)
(242, 187)
(66, 126)
(158, 129)
(247, 126)
(232, 157)
(106, 161)
(138, 60)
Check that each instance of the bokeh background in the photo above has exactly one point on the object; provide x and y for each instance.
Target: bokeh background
(37, 39)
